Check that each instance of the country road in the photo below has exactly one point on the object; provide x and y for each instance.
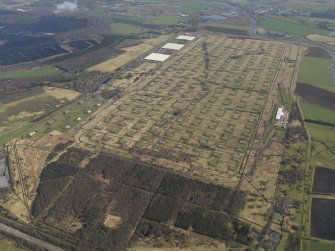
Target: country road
(18, 234)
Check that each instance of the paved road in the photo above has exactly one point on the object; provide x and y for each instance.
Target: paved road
(18, 234)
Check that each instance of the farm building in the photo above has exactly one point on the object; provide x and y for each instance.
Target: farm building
(280, 113)
(31, 134)
(173, 46)
(184, 37)
(281, 117)
(157, 57)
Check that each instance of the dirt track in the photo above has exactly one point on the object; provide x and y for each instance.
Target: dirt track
(18, 234)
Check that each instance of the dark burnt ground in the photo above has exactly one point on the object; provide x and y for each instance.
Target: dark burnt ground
(322, 218)
(148, 199)
(324, 180)
(316, 95)
(27, 42)
(317, 52)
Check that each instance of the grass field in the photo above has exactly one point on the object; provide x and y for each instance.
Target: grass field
(315, 245)
(99, 13)
(164, 20)
(16, 117)
(38, 72)
(124, 29)
(289, 26)
(316, 71)
(315, 112)
(323, 147)
(7, 246)
(227, 26)
(311, 5)
(129, 54)
(323, 133)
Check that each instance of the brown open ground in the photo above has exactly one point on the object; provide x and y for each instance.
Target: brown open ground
(129, 54)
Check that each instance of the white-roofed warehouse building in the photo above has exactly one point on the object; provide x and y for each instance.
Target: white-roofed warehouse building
(184, 37)
(173, 46)
(157, 57)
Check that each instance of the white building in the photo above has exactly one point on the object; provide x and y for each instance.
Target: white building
(157, 57)
(280, 113)
(173, 46)
(31, 134)
(184, 37)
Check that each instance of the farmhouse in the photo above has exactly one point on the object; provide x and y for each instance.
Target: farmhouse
(157, 57)
(184, 37)
(281, 117)
(173, 46)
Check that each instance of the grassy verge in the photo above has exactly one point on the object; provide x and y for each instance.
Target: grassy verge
(38, 72)
(7, 246)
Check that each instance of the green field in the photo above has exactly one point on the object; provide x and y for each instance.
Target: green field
(99, 13)
(38, 72)
(314, 245)
(124, 29)
(7, 246)
(322, 133)
(323, 143)
(17, 117)
(311, 5)
(316, 112)
(164, 20)
(289, 26)
(227, 26)
(315, 71)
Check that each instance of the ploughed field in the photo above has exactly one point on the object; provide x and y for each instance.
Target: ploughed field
(110, 201)
(324, 180)
(199, 112)
(322, 218)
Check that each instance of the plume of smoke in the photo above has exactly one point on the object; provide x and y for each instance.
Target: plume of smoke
(67, 5)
